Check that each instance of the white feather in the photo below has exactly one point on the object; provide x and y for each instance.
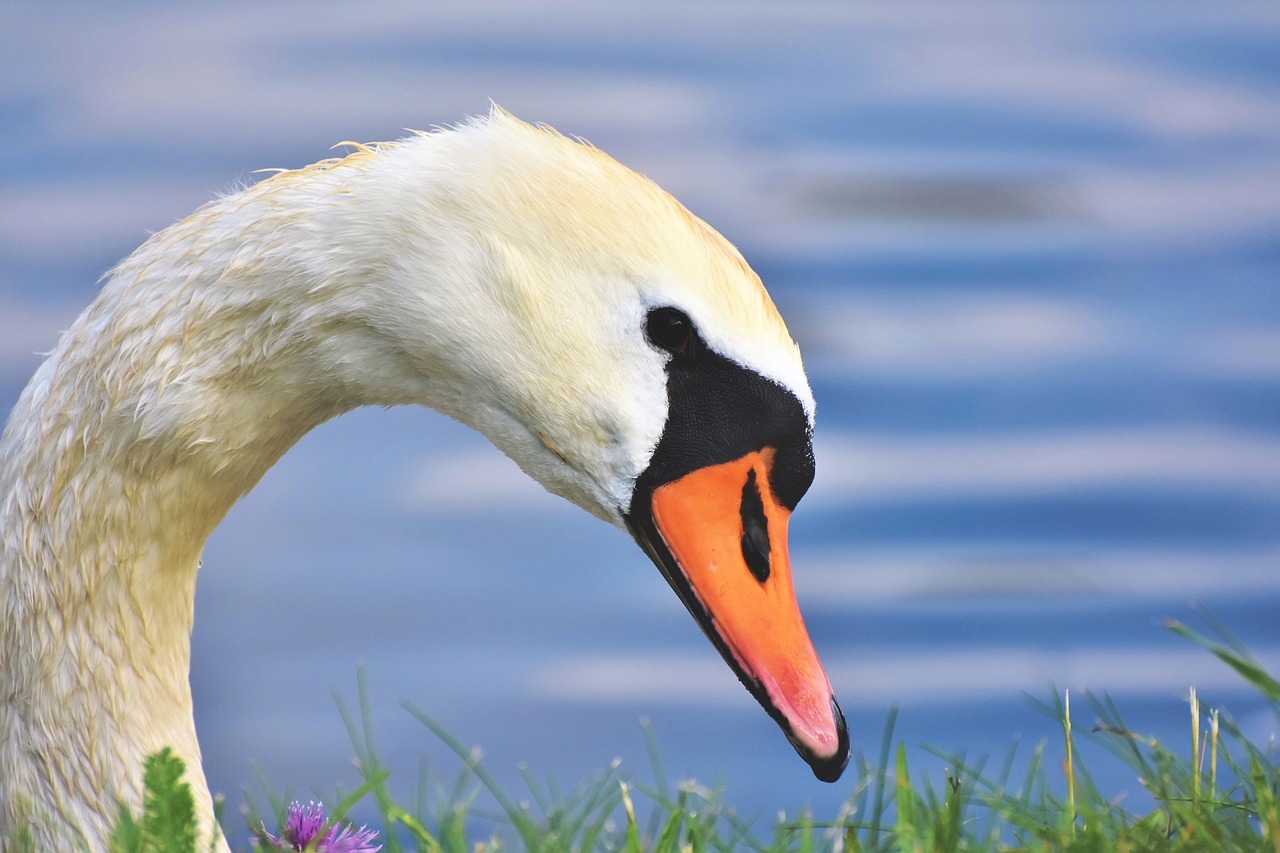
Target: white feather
(497, 272)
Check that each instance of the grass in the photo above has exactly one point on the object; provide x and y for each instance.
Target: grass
(1216, 792)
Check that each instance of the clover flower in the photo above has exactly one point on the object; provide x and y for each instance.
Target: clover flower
(303, 825)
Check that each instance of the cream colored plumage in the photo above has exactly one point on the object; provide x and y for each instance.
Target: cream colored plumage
(497, 272)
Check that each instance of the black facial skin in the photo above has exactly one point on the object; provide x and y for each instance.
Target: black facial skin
(719, 411)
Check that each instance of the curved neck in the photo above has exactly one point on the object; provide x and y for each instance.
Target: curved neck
(167, 400)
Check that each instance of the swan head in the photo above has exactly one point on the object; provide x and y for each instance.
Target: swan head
(626, 357)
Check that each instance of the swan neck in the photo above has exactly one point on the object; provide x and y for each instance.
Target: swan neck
(167, 400)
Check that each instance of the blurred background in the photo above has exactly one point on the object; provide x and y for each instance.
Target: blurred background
(1031, 254)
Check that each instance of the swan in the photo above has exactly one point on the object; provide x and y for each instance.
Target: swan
(614, 345)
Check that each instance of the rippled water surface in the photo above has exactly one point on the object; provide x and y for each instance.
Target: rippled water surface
(1032, 256)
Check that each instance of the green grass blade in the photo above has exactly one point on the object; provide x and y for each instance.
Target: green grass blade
(882, 773)
(518, 817)
(426, 842)
(906, 801)
(1237, 659)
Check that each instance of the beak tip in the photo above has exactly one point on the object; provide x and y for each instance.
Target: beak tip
(831, 767)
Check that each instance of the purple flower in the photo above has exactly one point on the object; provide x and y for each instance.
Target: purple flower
(303, 825)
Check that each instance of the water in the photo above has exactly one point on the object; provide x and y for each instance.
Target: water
(1032, 257)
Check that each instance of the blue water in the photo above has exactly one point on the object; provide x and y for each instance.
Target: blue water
(1032, 255)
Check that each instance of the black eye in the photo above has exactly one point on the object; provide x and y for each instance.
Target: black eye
(669, 329)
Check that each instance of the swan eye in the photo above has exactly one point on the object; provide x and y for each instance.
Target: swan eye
(669, 329)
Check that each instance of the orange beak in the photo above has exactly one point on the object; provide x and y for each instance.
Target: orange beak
(723, 547)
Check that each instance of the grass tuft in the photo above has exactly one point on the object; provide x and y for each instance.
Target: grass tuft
(1224, 795)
